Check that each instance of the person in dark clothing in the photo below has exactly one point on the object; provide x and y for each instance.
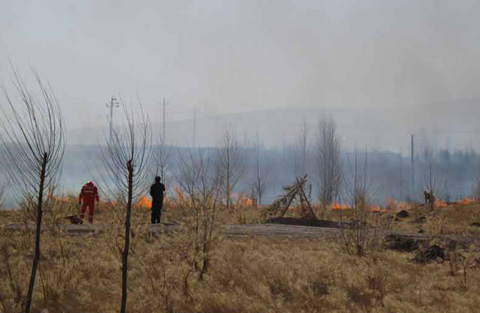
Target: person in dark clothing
(156, 191)
(429, 199)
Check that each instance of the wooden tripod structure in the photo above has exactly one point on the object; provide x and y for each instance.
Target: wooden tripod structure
(292, 192)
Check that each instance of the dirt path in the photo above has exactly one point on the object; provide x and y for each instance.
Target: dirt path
(279, 231)
(243, 230)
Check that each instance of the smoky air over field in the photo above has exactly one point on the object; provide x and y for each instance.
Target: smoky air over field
(383, 70)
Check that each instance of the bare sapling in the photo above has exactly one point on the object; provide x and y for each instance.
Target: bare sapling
(432, 179)
(230, 164)
(258, 184)
(200, 183)
(329, 169)
(128, 157)
(33, 145)
(357, 234)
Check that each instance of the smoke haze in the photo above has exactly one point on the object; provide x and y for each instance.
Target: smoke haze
(413, 64)
(383, 69)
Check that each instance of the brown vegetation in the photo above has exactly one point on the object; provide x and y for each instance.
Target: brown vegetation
(81, 273)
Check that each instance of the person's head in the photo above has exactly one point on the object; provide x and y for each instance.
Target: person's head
(157, 179)
(89, 182)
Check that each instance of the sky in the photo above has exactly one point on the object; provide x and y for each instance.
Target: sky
(231, 57)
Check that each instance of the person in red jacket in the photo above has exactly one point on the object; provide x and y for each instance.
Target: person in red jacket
(88, 194)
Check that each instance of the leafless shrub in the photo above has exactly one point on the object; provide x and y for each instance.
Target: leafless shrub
(33, 140)
(200, 183)
(433, 180)
(360, 184)
(359, 189)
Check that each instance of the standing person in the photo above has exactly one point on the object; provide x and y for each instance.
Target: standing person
(88, 194)
(157, 191)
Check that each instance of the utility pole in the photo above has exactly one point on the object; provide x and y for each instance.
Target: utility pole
(112, 104)
(401, 197)
(164, 137)
(194, 126)
(163, 154)
(412, 182)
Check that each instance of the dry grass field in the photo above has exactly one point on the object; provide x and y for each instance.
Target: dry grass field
(81, 273)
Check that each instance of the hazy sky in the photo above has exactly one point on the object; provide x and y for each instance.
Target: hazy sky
(235, 56)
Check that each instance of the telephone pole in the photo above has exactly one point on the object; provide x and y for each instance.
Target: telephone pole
(401, 196)
(412, 182)
(112, 104)
(164, 136)
(194, 126)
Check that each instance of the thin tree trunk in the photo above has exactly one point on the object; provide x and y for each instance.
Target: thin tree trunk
(36, 258)
(127, 238)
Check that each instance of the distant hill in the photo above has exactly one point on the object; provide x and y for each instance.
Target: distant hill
(452, 125)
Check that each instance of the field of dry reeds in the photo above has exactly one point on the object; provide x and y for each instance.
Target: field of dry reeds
(175, 273)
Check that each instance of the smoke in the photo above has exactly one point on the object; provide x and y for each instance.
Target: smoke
(245, 55)
(383, 69)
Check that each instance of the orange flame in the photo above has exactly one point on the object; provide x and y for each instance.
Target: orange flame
(110, 202)
(245, 201)
(465, 201)
(143, 202)
(377, 209)
(338, 206)
(440, 204)
(178, 193)
(396, 205)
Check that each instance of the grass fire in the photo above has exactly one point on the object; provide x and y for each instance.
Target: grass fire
(239, 156)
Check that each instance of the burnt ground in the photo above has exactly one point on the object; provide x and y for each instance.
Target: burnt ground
(327, 230)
